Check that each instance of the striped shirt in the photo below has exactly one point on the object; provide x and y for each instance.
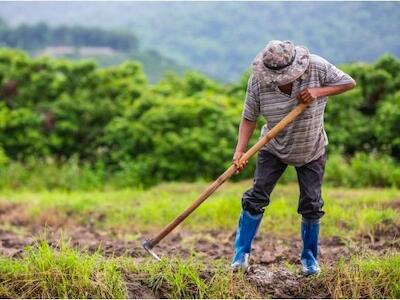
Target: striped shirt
(305, 139)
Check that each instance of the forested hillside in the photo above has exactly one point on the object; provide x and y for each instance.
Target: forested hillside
(108, 47)
(222, 38)
(111, 123)
(35, 37)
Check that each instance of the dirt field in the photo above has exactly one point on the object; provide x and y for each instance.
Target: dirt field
(275, 261)
(362, 223)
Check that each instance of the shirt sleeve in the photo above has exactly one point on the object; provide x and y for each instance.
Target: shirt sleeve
(334, 76)
(251, 108)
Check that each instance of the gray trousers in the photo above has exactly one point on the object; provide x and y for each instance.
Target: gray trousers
(269, 169)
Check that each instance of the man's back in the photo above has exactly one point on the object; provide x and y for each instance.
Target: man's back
(303, 140)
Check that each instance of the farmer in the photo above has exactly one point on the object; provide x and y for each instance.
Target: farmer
(282, 75)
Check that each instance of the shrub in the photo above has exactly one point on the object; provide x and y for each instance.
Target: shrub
(363, 170)
(183, 128)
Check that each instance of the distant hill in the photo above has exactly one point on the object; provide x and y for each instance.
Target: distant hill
(108, 47)
(221, 38)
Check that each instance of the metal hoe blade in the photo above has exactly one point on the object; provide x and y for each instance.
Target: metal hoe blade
(147, 245)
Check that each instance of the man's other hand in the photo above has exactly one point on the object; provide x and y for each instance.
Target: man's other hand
(308, 95)
(236, 160)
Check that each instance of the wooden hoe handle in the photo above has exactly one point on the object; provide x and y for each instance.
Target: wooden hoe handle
(149, 244)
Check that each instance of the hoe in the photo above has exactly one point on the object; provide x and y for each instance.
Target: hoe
(148, 245)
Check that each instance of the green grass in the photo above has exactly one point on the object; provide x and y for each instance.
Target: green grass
(365, 277)
(62, 272)
(349, 212)
(45, 273)
(192, 278)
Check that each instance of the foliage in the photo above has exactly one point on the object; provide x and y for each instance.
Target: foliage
(366, 118)
(20, 132)
(363, 170)
(34, 37)
(387, 126)
(62, 108)
(112, 126)
(200, 132)
(124, 45)
(48, 174)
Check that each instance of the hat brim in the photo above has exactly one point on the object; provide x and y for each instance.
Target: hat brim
(285, 75)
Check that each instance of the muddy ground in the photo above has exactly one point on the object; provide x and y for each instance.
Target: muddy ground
(273, 258)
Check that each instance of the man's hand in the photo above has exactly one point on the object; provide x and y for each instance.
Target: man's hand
(308, 95)
(246, 129)
(236, 160)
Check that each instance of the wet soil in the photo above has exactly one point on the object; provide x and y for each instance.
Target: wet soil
(275, 260)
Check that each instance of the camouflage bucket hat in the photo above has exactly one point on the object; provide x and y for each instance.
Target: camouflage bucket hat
(281, 62)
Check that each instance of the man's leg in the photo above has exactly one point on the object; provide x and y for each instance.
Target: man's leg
(310, 178)
(268, 170)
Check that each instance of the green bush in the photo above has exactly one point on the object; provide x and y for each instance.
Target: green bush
(175, 138)
(75, 117)
(387, 124)
(363, 170)
(40, 174)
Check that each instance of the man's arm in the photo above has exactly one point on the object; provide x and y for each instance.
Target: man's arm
(333, 81)
(251, 111)
(246, 130)
(311, 94)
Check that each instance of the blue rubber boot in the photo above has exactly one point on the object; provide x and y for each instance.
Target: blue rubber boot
(247, 229)
(309, 235)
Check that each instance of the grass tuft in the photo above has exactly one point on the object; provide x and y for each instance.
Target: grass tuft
(192, 279)
(365, 277)
(44, 272)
